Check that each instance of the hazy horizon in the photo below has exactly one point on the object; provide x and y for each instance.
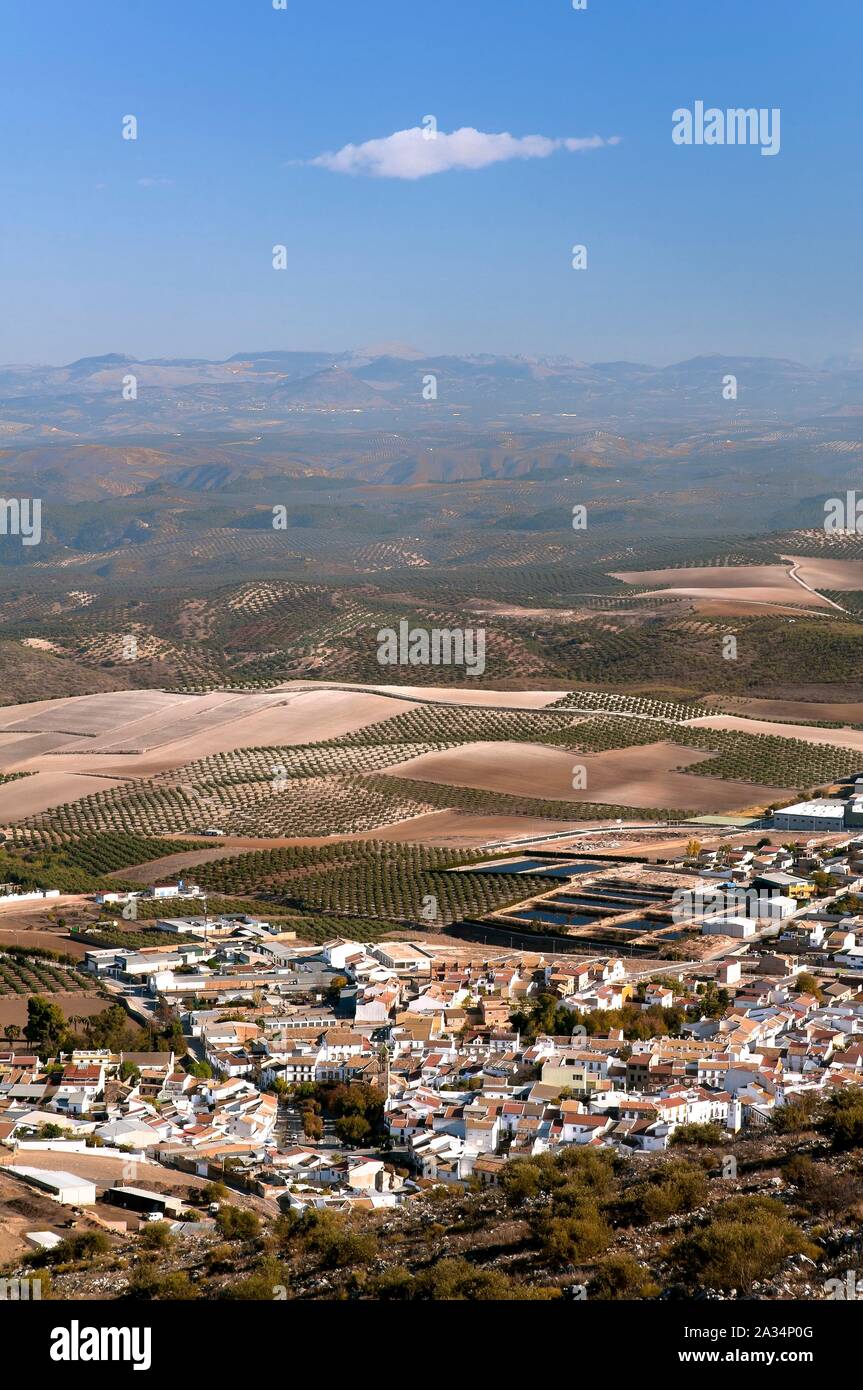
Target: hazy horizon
(408, 352)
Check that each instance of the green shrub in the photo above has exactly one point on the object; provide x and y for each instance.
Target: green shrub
(622, 1277)
(746, 1239)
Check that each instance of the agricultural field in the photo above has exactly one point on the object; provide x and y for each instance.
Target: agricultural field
(148, 910)
(820, 713)
(636, 609)
(267, 749)
(446, 725)
(431, 756)
(397, 883)
(78, 865)
(764, 758)
(444, 797)
(23, 974)
(127, 936)
(612, 702)
(843, 741)
(838, 575)
(727, 590)
(318, 928)
(654, 775)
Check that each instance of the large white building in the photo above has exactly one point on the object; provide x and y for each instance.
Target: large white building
(821, 815)
(62, 1186)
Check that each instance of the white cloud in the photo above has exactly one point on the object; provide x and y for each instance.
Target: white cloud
(411, 154)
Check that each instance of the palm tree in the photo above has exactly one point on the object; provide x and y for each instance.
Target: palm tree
(11, 1032)
(79, 1021)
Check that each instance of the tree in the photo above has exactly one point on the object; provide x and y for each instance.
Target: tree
(313, 1125)
(693, 849)
(822, 1188)
(334, 989)
(353, 1129)
(710, 1133)
(109, 1028)
(11, 1032)
(807, 984)
(46, 1027)
(795, 1115)
(237, 1223)
(147, 1283)
(676, 1186)
(156, 1235)
(843, 1122)
(329, 1236)
(520, 1181)
(73, 1249)
(572, 1239)
(713, 1001)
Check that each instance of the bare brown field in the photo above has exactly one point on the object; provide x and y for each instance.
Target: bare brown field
(10, 715)
(168, 731)
(641, 776)
(143, 720)
(747, 607)
(726, 584)
(223, 723)
(465, 829)
(43, 940)
(17, 750)
(450, 829)
(843, 575)
(848, 712)
(155, 870)
(46, 789)
(840, 738)
(307, 716)
(89, 714)
(13, 913)
(205, 717)
(13, 1008)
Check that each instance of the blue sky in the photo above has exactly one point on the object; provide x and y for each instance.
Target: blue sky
(162, 246)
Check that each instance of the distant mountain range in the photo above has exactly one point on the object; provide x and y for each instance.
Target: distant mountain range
(398, 387)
